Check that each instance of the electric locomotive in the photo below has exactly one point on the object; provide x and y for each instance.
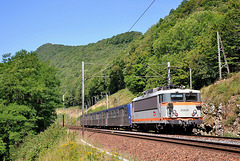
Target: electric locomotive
(159, 109)
(167, 109)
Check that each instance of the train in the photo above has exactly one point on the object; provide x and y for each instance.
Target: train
(161, 109)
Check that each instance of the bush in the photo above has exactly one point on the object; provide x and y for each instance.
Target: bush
(56, 143)
(231, 120)
(36, 145)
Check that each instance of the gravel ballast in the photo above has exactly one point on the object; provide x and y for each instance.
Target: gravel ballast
(139, 149)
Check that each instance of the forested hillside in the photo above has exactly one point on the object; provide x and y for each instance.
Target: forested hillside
(68, 59)
(186, 38)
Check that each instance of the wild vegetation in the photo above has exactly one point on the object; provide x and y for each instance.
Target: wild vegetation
(28, 98)
(30, 89)
(186, 38)
(222, 106)
(68, 59)
(56, 143)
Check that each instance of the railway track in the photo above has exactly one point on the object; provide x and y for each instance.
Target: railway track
(215, 143)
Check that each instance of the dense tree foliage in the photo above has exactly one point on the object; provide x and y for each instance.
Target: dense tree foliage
(186, 38)
(117, 77)
(28, 98)
(101, 54)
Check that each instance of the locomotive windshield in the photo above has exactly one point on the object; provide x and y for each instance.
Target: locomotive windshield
(186, 97)
(191, 97)
(176, 97)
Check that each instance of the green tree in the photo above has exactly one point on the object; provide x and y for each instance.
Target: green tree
(230, 34)
(68, 60)
(117, 77)
(16, 121)
(6, 57)
(29, 93)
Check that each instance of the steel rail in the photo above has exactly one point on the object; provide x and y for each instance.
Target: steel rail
(216, 137)
(234, 148)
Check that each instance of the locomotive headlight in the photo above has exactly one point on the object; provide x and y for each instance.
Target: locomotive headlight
(175, 113)
(194, 112)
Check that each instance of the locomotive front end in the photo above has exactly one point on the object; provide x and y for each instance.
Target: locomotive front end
(184, 107)
(171, 109)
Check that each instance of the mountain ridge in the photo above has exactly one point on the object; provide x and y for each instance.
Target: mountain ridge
(67, 59)
(186, 38)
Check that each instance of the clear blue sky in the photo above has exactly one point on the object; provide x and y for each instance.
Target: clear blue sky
(28, 24)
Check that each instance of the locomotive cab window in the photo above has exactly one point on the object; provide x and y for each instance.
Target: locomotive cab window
(160, 98)
(176, 97)
(191, 96)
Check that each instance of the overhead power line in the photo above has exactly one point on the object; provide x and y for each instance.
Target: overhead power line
(147, 65)
(149, 76)
(101, 76)
(153, 70)
(94, 75)
(141, 15)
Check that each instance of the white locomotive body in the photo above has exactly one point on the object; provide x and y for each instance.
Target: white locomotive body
(170, 108)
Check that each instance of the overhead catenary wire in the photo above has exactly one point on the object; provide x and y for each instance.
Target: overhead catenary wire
(99, 72)
(148, 76)
(101, 76)
(158, 64)
(154, 71)
(141, 16)
(128, 31)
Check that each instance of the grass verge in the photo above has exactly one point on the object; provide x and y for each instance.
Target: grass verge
(56, 143)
